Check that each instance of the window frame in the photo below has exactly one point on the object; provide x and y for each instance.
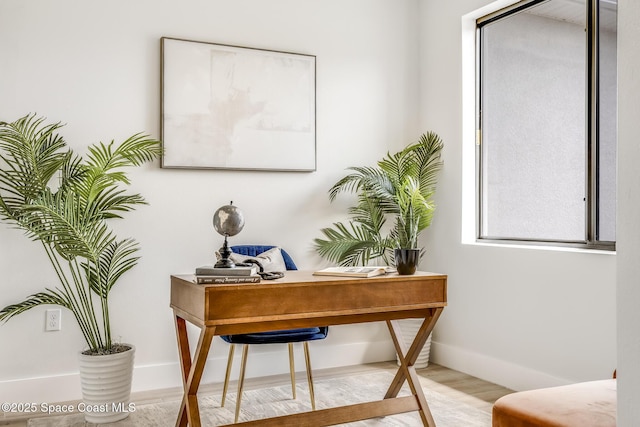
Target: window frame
(592, 135)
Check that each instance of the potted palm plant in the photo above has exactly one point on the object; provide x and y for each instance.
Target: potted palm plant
(64, 202)
(400, 188)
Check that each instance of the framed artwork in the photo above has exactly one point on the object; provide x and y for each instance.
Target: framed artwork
(230, 107)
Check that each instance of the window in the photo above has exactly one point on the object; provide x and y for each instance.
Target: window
(546, 120)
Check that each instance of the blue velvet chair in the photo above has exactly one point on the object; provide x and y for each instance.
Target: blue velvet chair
(290, 336)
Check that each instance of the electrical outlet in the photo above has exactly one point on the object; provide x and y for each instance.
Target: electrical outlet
(53, 319)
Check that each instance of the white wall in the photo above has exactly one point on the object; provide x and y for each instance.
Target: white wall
(520, 317)
(628, 207)
(96, 67)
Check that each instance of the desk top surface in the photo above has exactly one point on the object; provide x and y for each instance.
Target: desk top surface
(300, 296)
(298, 277)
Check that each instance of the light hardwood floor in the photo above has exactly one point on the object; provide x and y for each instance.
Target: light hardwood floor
(457, 385)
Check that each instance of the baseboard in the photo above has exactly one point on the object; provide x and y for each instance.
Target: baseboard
(263, 361)
(506, 374)
(39, 390)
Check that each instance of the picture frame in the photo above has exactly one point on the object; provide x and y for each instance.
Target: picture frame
(240, 108)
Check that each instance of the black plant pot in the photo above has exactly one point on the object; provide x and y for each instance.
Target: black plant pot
(407, 260)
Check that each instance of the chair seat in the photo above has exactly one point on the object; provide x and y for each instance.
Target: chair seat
(586, 404)
(278, 337)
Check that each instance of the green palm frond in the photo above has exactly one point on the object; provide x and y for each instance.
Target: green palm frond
(398, 166)
(33, 147)
(374, 183)
(64, 202)
(134, 151)
(112, 200)
(369, 213)
(104, 164)
(347, 245)
(139, 149)
(62, 221)
(40, 298)
(31, 154)
(72, 172)
(429, 158)
(115, 260)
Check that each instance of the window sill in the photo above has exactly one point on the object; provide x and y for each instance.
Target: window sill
(541, 247)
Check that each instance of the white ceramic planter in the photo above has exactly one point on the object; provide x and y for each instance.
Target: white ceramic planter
(106, 386)
(409, 329)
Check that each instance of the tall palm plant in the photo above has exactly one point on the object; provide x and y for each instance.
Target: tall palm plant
(64, 201)
(400, 187)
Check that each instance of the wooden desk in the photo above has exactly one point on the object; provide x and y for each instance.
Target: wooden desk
(303, 300)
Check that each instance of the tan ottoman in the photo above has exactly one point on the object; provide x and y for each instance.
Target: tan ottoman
(588, 404)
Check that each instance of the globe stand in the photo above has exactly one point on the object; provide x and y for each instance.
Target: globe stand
(225, 252)
(227, 221)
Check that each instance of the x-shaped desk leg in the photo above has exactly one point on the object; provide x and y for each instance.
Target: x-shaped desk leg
(191, 372)
(407, 358)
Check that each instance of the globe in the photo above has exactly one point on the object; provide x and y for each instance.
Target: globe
(228, 220)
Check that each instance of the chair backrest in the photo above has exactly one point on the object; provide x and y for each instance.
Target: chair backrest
(255, 250)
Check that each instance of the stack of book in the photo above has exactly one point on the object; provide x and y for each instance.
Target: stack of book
(212, 275)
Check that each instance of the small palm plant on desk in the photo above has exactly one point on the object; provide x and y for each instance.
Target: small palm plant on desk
(63, 201)
(400, 187)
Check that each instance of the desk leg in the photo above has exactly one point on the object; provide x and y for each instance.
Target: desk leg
(407, 358)
(191, 372)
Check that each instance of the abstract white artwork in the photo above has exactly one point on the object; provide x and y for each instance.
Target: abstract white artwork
(229, 107)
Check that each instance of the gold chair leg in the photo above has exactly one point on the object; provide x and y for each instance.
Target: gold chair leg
(243, 365)
(292, 370)
(307, 360)
(226, 376)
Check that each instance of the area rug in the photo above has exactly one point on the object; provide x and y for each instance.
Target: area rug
(274, 401)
